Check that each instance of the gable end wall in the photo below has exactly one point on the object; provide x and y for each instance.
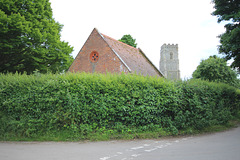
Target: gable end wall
(107, 62)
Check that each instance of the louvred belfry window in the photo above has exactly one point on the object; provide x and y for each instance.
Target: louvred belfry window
(94, 56)
(171, 55)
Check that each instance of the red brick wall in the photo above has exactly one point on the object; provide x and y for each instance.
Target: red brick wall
(106, 61)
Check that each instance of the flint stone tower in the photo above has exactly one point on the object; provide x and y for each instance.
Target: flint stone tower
(169, 62)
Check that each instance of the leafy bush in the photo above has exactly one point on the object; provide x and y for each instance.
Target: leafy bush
(33, 105)
(215, 69)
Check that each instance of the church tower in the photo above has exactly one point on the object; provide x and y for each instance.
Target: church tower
(169, 62)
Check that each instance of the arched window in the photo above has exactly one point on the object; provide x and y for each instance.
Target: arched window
(171, 55)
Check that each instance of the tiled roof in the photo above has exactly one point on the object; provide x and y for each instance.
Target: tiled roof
(134, 58)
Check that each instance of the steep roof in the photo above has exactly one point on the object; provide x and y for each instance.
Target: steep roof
(134, 59)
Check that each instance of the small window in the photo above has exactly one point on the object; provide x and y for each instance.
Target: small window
(94, 56)
(171, 55)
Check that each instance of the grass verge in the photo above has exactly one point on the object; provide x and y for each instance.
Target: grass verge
(107, 135)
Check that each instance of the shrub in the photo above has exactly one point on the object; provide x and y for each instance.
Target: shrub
(33, 105)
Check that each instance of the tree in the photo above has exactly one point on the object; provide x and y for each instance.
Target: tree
(30, 38)
(229, 10)
(215, 69)
(128, 40)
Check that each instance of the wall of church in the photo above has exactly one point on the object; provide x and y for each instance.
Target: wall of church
(97, 56)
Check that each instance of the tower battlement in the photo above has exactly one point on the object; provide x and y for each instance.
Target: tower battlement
(171, 45)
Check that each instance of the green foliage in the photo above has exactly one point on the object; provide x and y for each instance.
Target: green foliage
(30, 38)
(215, 69)
(89, 106)
(230, 40)
(206, 104)
(128, 40)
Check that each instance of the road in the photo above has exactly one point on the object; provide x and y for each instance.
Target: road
(217, 146)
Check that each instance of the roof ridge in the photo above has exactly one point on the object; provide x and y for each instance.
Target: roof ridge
(150, 62)
(118, 41)
(103, 37)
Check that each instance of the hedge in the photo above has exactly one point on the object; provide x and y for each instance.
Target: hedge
(33, 105)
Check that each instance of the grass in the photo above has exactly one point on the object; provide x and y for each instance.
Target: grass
(112, 135)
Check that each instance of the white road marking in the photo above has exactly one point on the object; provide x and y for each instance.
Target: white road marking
(136, 155)
(136, 148)
(161, 146)
(104, 158)
(150, 150)
(155, 145)
(168, 144)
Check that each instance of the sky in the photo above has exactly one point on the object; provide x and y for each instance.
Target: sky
(152, 23)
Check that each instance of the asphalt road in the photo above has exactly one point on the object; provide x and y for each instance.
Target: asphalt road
(217, 146)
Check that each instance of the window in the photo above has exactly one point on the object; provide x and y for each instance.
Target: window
(171, 55)
(94, 56)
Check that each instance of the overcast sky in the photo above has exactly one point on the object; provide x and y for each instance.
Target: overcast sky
(152, 23)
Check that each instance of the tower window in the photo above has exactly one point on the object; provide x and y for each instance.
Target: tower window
(171, 55)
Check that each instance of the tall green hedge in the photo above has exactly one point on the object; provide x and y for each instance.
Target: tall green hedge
(36, 104)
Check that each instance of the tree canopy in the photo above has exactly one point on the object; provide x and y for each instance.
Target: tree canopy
(229, 10)
(128, 40)
(30, 38)
(215, 69)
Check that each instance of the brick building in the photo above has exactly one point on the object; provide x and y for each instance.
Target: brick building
(102, 54)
